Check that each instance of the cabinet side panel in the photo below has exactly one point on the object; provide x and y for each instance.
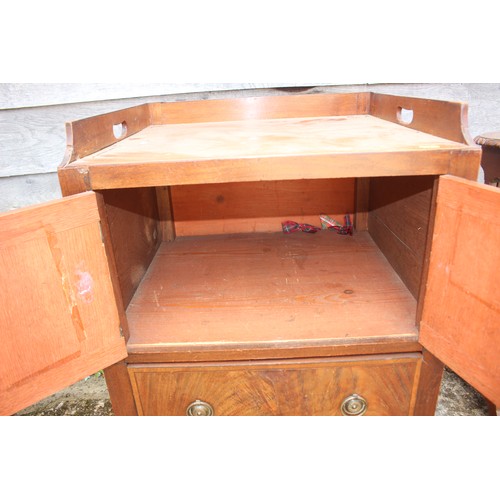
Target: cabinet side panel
(398, 220)
(135, 231)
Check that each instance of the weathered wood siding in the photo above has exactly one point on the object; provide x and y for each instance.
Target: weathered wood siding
(23, 95)
(32, 118)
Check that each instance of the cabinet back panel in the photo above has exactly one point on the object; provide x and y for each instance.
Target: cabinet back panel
(258, 206)
(398, 222)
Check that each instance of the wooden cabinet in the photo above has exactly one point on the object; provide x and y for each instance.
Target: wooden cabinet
(177, 273)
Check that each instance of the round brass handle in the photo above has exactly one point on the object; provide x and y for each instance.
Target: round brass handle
(199, 409)
(354, 405)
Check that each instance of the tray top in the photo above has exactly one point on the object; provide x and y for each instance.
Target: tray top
(187, 142)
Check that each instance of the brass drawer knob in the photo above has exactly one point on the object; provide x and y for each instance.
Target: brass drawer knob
(199, 409)
(354, 405)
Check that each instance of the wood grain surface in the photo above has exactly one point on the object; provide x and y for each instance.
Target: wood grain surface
(269, 138)
(266, 138)
(398, 221)
(120, 389)
(184, 353)
(429, 385)
(300, 387)
(461, 316)
(270, 168)
(277, 149)
(258, 289)
(446, 119)
(258, 206)
(135, 234)
(261, 108)
(58, 321)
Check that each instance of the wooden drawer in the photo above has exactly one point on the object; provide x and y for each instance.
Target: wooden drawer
(298, 387)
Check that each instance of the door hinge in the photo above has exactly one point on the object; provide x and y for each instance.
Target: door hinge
(100, 232)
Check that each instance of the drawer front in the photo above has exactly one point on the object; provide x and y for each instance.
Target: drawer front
(386, 385)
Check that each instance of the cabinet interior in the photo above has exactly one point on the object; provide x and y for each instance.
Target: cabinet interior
(209, 264)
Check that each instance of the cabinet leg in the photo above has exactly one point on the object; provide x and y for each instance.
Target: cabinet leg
(120, 390)
(428, 385)
(493, 409)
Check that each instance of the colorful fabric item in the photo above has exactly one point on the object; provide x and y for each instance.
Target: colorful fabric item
(289, 226)
(346, 228)
(327, 222)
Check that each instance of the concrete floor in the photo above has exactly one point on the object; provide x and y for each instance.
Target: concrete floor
(90, 398)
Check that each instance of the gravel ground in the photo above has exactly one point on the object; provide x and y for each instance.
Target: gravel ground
(90, 397)
(457, 398)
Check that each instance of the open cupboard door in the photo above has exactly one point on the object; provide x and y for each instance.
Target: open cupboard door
(59, 319)
(461, 316)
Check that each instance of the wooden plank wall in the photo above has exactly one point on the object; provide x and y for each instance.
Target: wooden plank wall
(15, 95)
(32, 134)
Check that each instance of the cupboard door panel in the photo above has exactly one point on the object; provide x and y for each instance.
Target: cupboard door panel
(461, 315)
(300, 387)
(59, 320)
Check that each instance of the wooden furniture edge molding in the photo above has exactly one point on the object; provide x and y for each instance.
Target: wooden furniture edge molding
(446, 119)
(272, 169)
(184, 354)
(88, 135)
(92, 134)
(260, 108)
